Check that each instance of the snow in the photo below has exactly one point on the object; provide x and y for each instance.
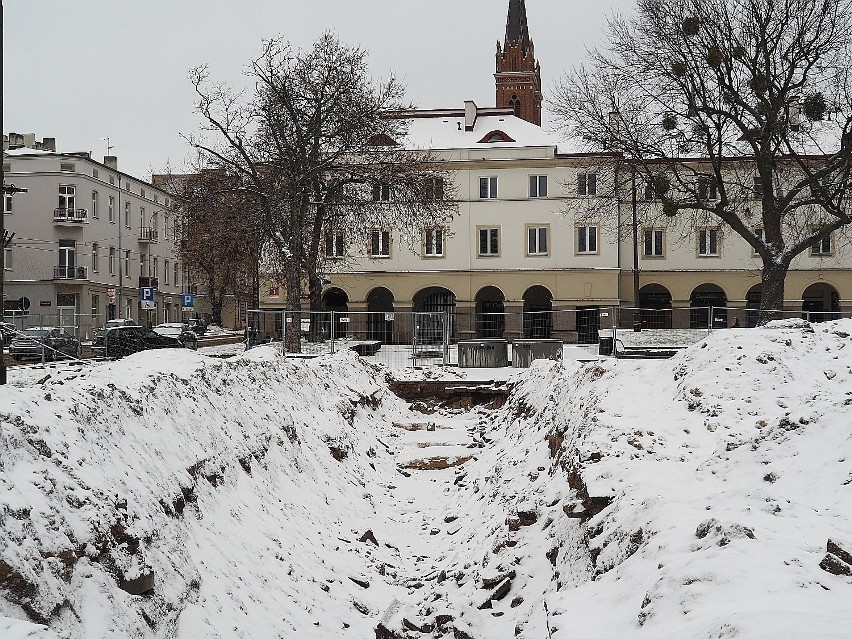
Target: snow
(245, 484)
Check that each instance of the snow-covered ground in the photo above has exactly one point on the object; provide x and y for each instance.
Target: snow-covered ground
(301, 498)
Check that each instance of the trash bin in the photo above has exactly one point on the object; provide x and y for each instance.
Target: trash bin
(525, 351)
(483, 353)
(605, 347)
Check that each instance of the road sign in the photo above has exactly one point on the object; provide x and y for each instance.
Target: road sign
(146, 294)
(148, 305)
(187, 300)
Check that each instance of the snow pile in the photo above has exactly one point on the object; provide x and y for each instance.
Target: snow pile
(728, 467)
(691, 497)
(238, 487)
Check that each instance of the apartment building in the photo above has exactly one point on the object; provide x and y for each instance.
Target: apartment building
(525, 240)
(86, 238)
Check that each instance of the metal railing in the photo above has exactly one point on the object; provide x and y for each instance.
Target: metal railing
(79, 216)
(149, 235)
(70, 272)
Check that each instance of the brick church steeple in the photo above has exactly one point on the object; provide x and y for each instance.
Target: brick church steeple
(518, 74)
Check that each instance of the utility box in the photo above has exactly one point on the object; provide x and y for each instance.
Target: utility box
(524, 351)
(483, 353)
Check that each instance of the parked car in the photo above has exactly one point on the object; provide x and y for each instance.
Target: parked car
(125, 340)
(196, 325)
(54, 342)
(180, 332)
(113, 323)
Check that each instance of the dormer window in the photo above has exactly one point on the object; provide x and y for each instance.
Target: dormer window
(496, 136)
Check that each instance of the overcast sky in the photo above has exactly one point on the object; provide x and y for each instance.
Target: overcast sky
(82, 70)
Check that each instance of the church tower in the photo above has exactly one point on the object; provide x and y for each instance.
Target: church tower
(518, 74)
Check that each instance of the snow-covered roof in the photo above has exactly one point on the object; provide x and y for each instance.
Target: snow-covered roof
(23, 151)
(448, 132)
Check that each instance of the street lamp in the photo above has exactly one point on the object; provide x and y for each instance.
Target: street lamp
(614, 125)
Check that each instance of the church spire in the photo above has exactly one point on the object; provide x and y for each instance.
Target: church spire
(516, 25)
(518, 74)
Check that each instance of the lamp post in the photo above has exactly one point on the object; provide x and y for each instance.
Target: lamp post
(637, 313)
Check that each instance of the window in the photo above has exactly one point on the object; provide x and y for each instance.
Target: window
(112, 179)
(66, 167)
(142, 217)
(142, 260)
(111, 209)
(648, 186)
(654, 243)
(67, 196)
(379, 243)
(707, 189)
(587, 184)
(822, 246)
(156, 272)
(96, 306)
(7, 259)
(708, 242)
(94, 204)
(165, 227)
(489, 241)
(7, 204)
(381, 192)
(127, 215)
(95, 257)
(434, 189)
(537, 240)
(488, 188)
(95, 173)
(166, 266)
(111, 260)
(757, 188)
(127, 264)
(67, 259)
(176, 273)
(587, 239)
(433, 243)
(142, 192)
(538, 186)
(334, 246)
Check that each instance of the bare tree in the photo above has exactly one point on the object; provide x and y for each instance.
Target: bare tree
(313, 142)
(219, 235)
(733, 111)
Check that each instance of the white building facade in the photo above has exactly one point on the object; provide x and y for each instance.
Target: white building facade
(87, 238)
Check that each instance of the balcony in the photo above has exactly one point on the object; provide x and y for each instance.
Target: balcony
(145, 282)
(70, 273)
(149, 236)
(70, 217)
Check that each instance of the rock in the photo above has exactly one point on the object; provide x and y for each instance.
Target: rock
(361, 582)
(434, 531)
(450, 519)
(514, 523)
(575, 510)
(840, 549)
(369, 536)
(502, 590)
(443, 619)
(725, 532)
(384, 633)
(834, 565)
(527, 517)
(338, 453)
(138, 585)
(410, 625)
(491, 582)
(517, 601)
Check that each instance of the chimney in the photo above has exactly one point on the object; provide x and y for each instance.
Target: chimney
(111, 162)
(469, 115)
(16, 140)
(29, 140)
(49, 144)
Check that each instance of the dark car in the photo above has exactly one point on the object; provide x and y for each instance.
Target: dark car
(196, 325)
(49, 341)
(125, 340)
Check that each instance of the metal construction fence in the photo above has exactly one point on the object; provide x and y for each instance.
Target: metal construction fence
(80, 325)
(412, 339)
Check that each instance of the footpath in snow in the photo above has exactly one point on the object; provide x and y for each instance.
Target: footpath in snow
(171, 495)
